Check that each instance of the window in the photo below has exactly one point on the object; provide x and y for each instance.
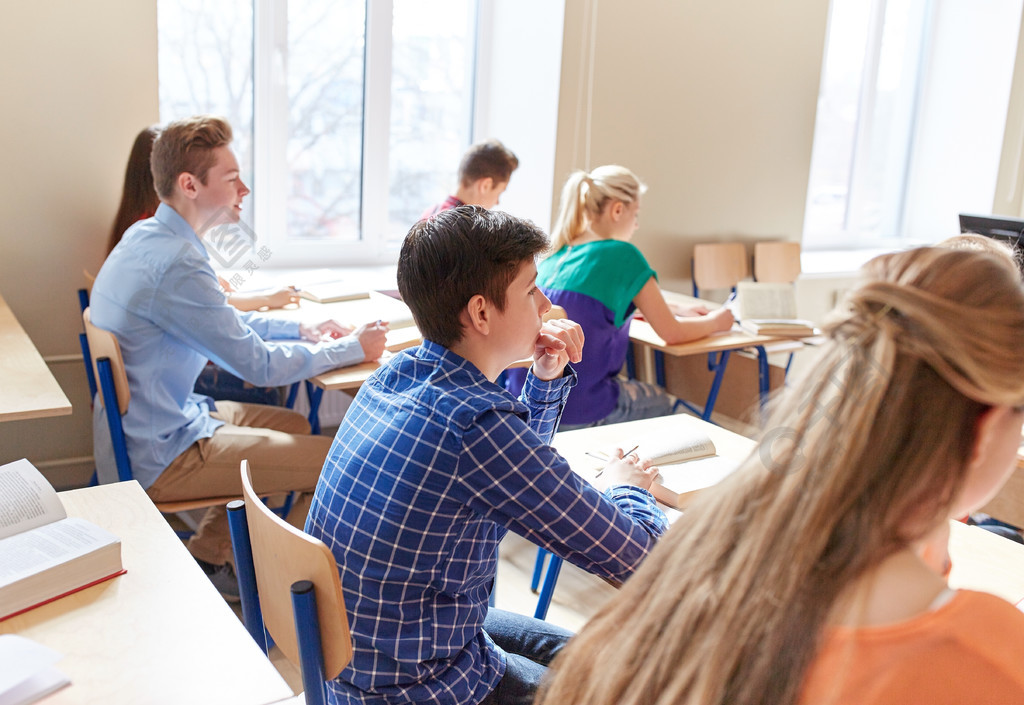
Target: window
(359, 111)
(910, 119)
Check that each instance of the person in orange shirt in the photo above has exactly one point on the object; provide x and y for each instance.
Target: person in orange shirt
(804, 578)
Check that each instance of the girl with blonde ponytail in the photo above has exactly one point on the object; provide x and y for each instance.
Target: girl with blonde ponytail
(799, 579)
(600, 278)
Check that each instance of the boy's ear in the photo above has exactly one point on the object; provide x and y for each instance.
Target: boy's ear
(187, 184)
(485, 185)
(478, 314)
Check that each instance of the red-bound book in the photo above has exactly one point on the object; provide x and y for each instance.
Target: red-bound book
(44, 554)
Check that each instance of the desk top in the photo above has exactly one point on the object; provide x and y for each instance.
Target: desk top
(641, 331)
(981, 560)
(27, 388)
(159, 633)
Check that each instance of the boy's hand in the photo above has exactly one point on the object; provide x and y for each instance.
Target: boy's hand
(372, 337)
(323, 331)
(627, 471)
(559, 343)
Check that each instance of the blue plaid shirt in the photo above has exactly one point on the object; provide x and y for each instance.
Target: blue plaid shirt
(432, 465)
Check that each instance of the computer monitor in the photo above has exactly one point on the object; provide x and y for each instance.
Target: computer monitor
(998, 227)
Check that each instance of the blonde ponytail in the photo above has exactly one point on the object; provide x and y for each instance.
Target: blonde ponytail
(585, 195)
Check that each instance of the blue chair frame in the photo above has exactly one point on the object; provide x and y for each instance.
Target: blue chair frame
(271, 555)
(112, 411)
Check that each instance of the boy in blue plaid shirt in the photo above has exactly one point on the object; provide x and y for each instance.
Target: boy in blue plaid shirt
(434, 463)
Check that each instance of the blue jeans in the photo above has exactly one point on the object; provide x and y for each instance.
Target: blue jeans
(637, 400)
(529, 645)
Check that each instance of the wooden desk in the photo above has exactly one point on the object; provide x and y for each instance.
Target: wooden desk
(27, 388)
(981, 560)
(158, 634)
(718, 346)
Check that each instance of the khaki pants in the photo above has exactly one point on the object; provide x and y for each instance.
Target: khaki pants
(282, 456)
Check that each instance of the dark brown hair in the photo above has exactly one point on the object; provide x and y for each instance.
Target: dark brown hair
(138, 197)
(490, 159)
(448, 259)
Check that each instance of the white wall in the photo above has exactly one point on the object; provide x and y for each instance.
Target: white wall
(80, 80)
(711, 103)
(517, 96)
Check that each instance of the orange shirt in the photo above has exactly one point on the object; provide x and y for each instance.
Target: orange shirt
(970, 650)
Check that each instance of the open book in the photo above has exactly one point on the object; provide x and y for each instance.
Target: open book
(687, 462)
(44, 554)
(770, 309)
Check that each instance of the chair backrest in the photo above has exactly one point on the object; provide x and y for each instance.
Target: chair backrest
(102, 344)
(718, 265)
(283, 555)
(777, 262)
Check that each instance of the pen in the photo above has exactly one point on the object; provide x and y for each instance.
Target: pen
(592, 455)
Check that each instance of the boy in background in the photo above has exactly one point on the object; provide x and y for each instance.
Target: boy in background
(434, 463)
(484, 173)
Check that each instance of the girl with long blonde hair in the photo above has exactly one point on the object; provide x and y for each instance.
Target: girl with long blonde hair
(799, 579)
(600, 279)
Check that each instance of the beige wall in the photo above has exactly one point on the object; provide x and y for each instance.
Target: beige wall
(79, 81)
(711, 103)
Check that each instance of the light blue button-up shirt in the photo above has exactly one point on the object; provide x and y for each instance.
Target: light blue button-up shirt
(159, 295)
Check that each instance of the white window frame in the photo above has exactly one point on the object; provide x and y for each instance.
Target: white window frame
(375, 244)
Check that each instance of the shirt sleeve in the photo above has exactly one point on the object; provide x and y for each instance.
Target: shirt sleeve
(513, 478)
(546, 401)
(188, 304)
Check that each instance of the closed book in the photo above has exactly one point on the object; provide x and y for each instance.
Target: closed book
(784, 328)
(330, 292)
(44, 554)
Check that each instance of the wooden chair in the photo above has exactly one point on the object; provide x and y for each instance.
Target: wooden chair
(777, 262)
(108, 367)
(718, 265)
(290, 589)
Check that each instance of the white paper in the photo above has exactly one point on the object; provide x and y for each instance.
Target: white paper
(765, 300)
(26, 670)
(26, 499)
(35, 551)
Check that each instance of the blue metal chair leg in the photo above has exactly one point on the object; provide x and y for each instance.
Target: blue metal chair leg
(550, 578)
(316, 395)
(538, 570)
(245, 571)
(311, 654)
(293, 393)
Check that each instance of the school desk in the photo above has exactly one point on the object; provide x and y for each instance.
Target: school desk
(718, 347)
(158, 634)
(981, 560)
(27, 388)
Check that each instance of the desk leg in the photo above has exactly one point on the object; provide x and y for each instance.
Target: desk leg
(718, 367)
(315, 395)
(659, 368)
(763, 372)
